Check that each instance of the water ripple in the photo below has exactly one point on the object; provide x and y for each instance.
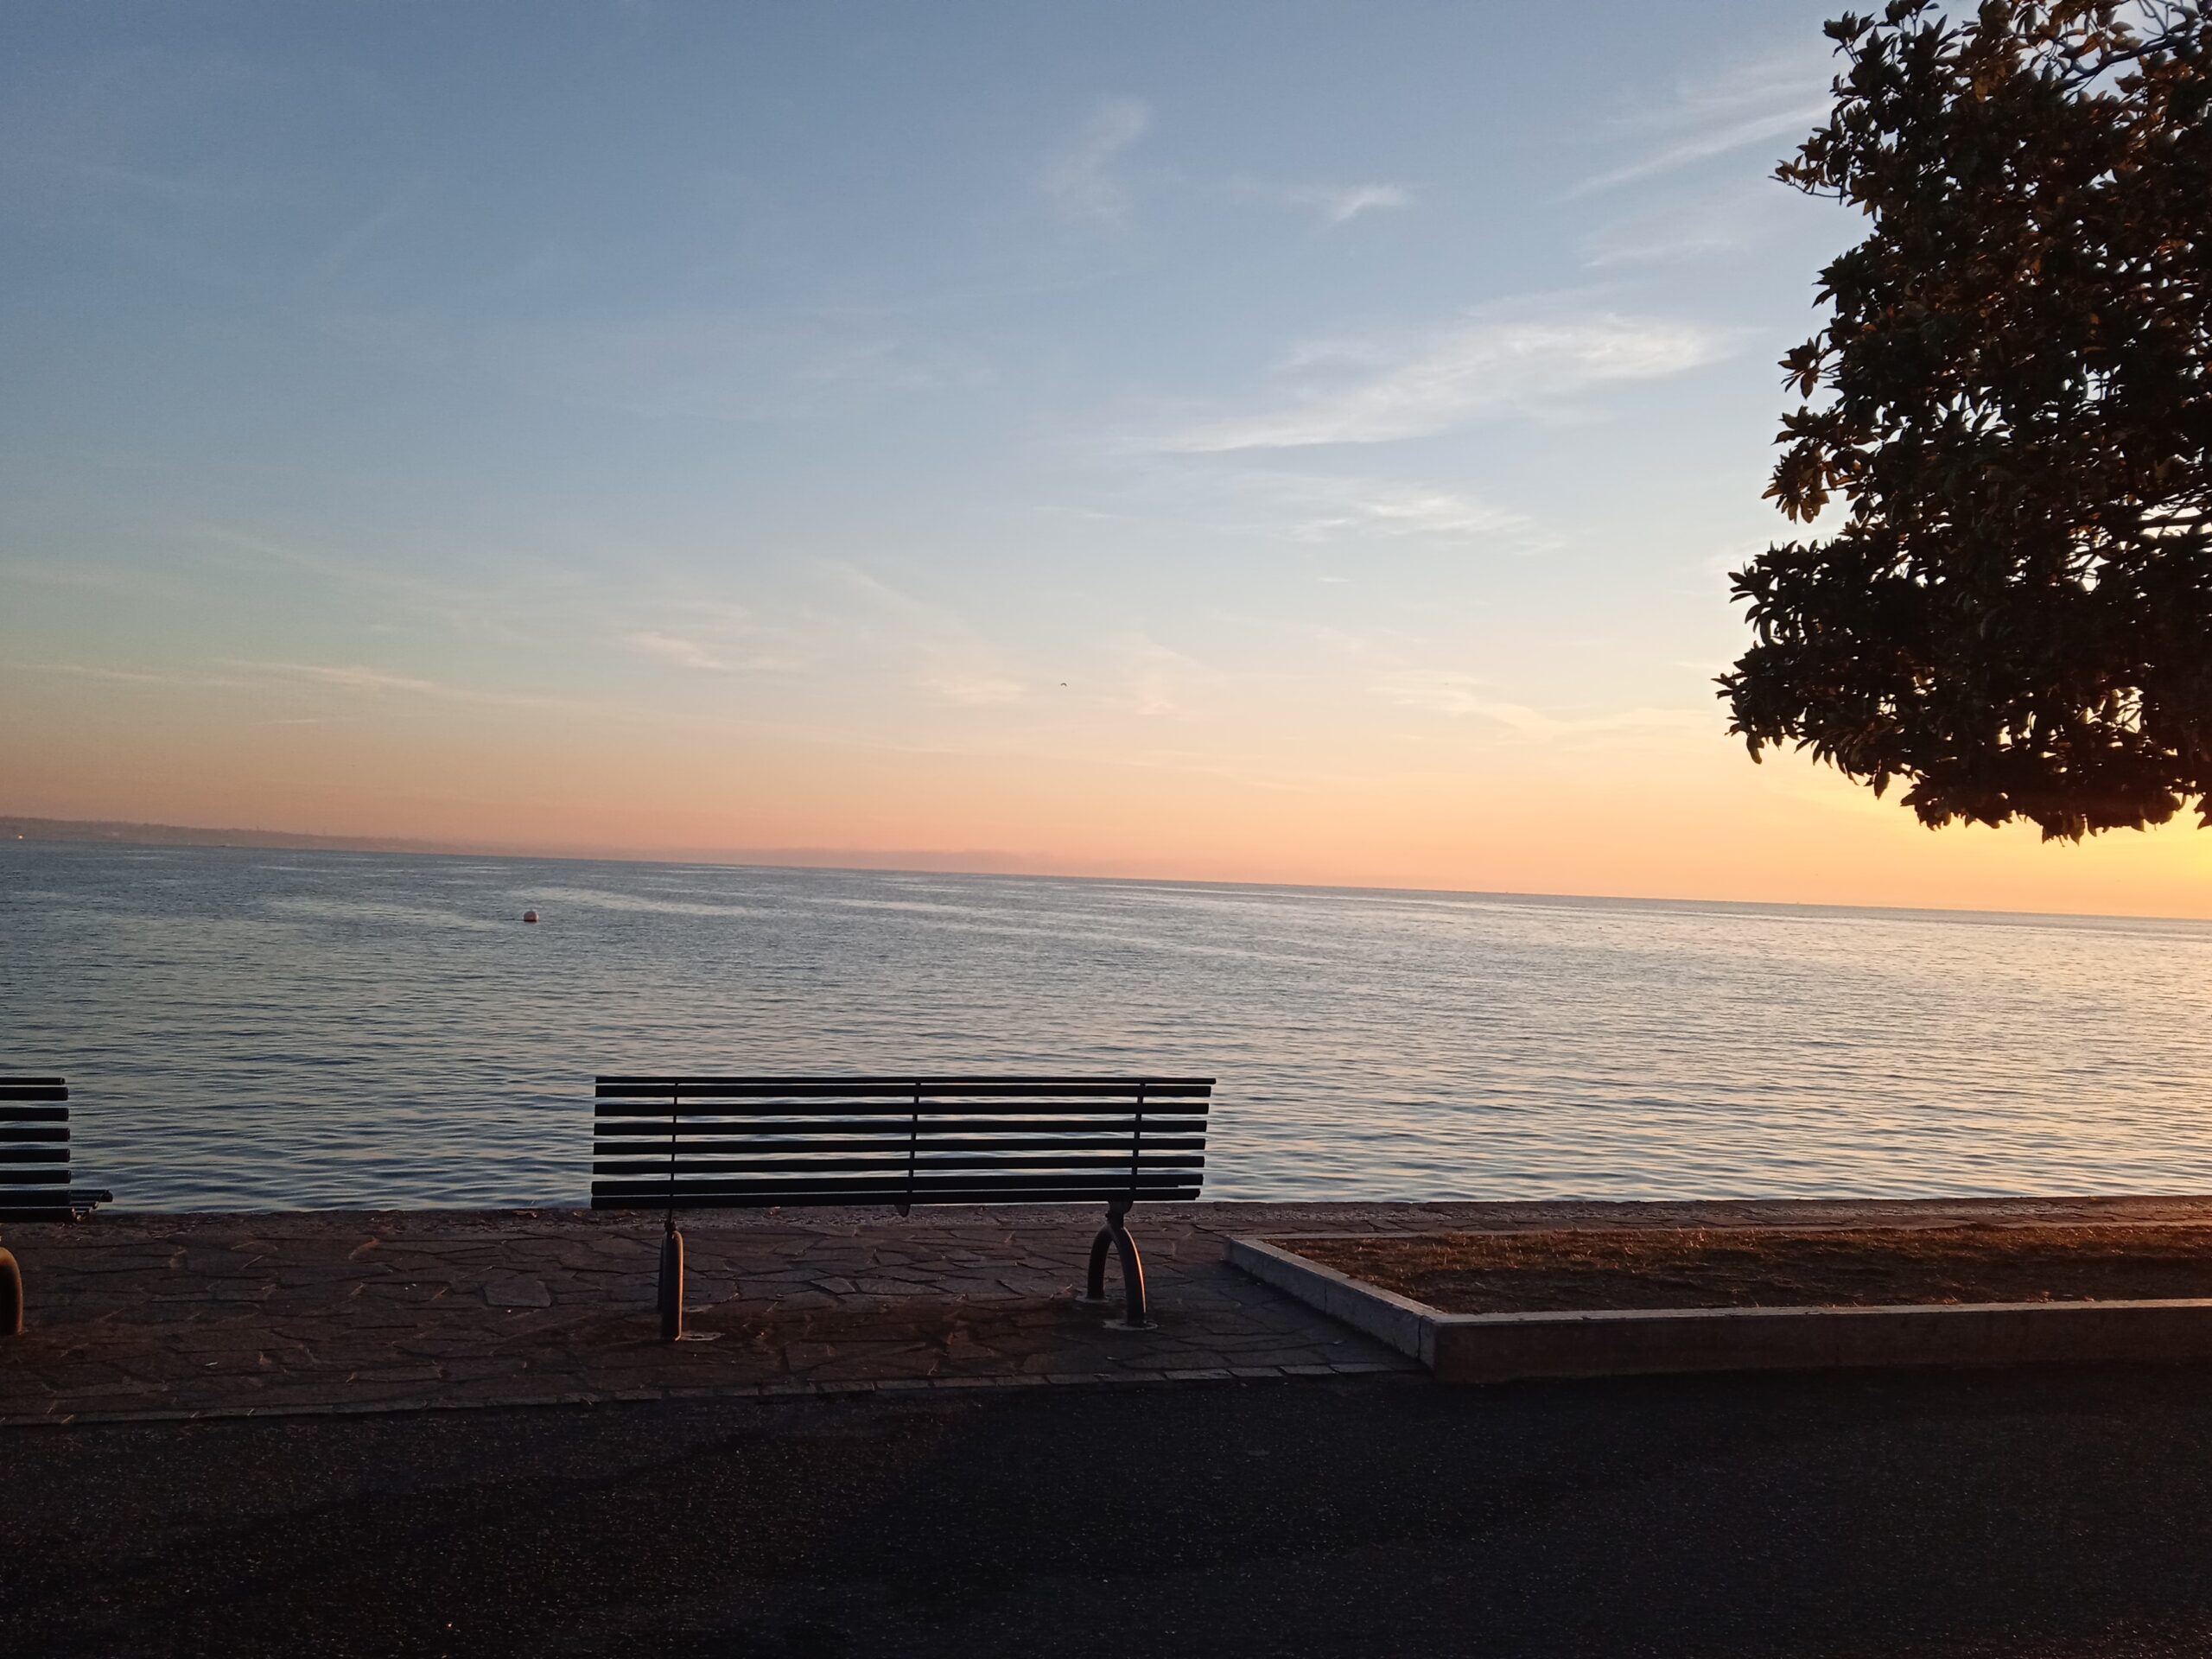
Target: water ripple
(250, 1031)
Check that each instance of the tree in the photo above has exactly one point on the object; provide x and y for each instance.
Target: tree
(2010, 406)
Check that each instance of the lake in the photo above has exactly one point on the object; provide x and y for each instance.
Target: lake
(249, 1029)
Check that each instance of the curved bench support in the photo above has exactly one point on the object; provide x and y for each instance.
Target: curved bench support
(11, 1296)
(1116, 1233)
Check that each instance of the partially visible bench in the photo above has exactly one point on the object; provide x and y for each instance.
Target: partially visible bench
(679, 1143)
(34, 1174)
(34, 1154)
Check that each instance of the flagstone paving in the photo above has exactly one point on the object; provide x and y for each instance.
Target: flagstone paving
(138, 1316)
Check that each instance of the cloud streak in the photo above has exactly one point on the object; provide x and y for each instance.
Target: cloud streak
(949, 659)
(1480, 368)
(708, 635)
(1081, 180)
(1347, 506)
(1756, 102)
(1678, 232)
(674, 648)
(379, 682)
(1321, 507)
(127, 675)
(1334, 204)
(1460, 694)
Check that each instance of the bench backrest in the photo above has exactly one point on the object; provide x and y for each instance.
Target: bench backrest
(682, 1142)
(34, 1148)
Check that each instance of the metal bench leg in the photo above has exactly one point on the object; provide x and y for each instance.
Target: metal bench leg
(11, 1296)
(671, 1286)
(1115, 1232)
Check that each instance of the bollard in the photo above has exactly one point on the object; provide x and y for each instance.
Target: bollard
(11, 1296)
(671, 1286)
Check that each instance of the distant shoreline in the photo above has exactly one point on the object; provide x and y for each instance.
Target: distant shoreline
(117, 833)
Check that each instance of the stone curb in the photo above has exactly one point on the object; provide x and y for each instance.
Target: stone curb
(1510, 1347)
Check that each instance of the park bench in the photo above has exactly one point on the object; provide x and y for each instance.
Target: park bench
(680, 1143)
(34, 1174)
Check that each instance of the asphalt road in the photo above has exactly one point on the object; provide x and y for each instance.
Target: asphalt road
(2022, 1514)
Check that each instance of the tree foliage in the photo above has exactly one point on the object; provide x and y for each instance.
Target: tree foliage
(2009, 406)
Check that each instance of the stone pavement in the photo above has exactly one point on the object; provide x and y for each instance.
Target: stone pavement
(139, 1316)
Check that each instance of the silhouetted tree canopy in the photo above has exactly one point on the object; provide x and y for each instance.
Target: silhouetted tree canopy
(2009, 405)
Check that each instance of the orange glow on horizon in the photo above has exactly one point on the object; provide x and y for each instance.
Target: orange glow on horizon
(1676, 815)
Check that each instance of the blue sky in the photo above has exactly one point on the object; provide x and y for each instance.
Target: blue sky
(789, 412)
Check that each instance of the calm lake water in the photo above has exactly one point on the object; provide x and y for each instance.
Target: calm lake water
(250, 1029)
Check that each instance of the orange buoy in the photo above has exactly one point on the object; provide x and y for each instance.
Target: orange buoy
(530, 915)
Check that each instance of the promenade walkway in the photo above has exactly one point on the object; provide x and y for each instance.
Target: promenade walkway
(137, 1316)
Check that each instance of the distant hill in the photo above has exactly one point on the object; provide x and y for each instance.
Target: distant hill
(178, 835)
(111, 834)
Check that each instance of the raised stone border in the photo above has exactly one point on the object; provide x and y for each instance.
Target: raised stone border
(1511, 1347)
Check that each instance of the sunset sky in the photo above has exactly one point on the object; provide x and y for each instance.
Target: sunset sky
(1268, 442)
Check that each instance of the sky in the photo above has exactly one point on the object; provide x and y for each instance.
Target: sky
(1273, 443)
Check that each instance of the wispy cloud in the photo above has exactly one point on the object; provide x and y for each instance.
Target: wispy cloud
(957, 684)
(1334, 204)
(708, 635)
(1759, 101)
(362, 234)
(1317, 507)
(126, 676)
(1482, 366)
(1307, 636)
(107, 579)
(950, 660)
(1081, 179)
(246, 674)
(352, 678)
(378, 683)
(537, 605)
(779, 363)
(1156, 678)
(674, 648)
(1335, 507)
(489, 610)
(1461, 695)
(1677, 231)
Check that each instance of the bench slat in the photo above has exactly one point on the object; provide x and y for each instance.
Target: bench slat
(644, 1145)
(751, 1199)
(890, 1189)
(876, 1200)
(51, 1205)
(645, 1112)
(43, 1196)
(649, 1168)
(896, 1182)
(896, 1088)
(33, 1114)
(892, 1128)
(33, 1177)
(12, 1156)
(18, 1134)
(33, 1088)
(701, 1122)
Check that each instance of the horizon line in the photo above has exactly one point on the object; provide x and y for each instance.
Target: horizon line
(972, 861)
